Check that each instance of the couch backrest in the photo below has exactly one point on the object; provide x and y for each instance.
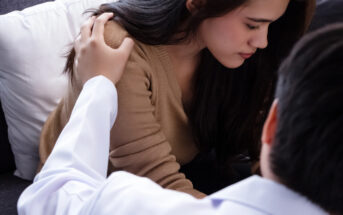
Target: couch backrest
(6, 155)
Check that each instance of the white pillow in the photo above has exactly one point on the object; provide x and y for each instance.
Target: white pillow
(33, 43)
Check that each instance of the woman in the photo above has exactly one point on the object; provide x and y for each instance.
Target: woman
(199, 81)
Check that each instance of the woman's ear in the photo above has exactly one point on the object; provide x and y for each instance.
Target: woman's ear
(269, 128)
(194, 5)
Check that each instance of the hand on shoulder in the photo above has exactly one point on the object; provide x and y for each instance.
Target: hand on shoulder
(94, 57)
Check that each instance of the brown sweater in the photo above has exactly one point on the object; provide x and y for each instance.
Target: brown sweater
(151, 135)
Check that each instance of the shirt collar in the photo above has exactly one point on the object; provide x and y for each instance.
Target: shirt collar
(268, 196)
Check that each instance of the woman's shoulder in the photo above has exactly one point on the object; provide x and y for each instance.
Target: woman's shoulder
(114, 34)
(147, 57)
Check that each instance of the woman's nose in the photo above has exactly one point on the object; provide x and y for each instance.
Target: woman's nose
(260, 39)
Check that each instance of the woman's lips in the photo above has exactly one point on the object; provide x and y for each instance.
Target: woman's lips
(246, 55)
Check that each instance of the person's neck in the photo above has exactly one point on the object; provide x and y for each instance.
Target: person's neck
(265, 165)
(185, 51)
(271, 176)
(185, 58)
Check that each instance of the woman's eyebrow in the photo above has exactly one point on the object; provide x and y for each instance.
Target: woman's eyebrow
(260, 20)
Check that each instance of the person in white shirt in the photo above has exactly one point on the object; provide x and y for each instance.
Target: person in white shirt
(301, 155)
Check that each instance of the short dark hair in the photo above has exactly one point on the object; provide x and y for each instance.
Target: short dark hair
(307, 154)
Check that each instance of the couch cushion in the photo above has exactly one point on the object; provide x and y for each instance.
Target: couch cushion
(33, 43)
(6, 155)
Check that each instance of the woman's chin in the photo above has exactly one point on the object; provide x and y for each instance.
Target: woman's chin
(233, 64)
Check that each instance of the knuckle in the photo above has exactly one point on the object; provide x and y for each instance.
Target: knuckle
(78, 39)
(84, 26)
(83, 50)
(99, 20)
(76, 43)
(92, 42)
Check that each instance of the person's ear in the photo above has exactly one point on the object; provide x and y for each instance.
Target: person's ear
(269, 128)
(194, 5)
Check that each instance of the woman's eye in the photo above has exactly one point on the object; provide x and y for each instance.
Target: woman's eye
(252, 27)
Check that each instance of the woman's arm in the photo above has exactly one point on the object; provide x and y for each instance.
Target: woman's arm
(73, 179)
(138, 144)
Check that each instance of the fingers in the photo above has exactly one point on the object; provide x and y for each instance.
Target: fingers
(95, 57)
(86, 29)
(126, 48)
(99, 25)
(85, 33)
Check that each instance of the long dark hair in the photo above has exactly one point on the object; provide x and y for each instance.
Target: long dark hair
(228, 105)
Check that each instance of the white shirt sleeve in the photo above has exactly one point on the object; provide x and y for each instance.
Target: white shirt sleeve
(73, 179)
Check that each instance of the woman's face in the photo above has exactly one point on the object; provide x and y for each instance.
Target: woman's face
(237, 35)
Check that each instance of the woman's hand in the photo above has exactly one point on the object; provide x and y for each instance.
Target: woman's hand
(93, 57)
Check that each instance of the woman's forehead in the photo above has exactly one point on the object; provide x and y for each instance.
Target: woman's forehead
(265, 9)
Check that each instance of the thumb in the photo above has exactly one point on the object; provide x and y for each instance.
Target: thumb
(126, 47)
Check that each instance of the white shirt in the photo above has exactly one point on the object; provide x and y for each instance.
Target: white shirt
(73, 180)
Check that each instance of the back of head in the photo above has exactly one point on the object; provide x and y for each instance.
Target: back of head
(307, 155)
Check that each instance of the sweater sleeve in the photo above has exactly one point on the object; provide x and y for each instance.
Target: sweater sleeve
(138, 144)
